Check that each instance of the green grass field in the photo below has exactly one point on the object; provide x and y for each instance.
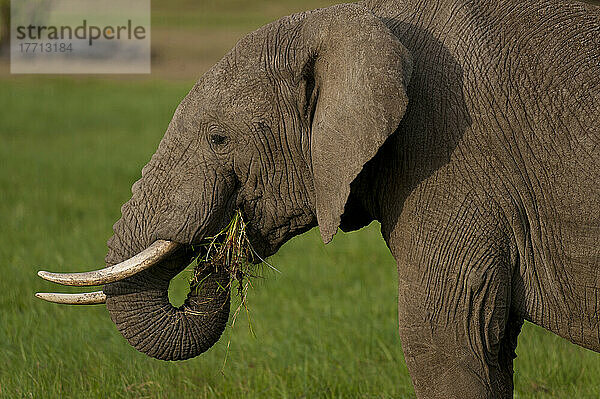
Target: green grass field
(326, 326)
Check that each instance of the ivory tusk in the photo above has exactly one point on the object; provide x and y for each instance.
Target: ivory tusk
(142, 261)
(88, 298)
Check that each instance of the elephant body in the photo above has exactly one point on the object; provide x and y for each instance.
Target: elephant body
(491, 202)
(468, 129)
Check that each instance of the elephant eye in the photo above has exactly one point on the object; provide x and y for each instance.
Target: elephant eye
(217, 139)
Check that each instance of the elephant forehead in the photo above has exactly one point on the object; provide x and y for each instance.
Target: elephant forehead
(242, 98)
(240, 78)
(241, 86)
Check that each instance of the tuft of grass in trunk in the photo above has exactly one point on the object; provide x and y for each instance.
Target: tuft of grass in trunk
(229, 251)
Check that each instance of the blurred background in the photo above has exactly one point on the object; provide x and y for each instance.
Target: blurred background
(326, 326)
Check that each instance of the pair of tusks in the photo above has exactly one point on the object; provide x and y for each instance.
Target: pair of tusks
(147, 258)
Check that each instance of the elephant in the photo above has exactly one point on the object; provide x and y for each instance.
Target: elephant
(469, 129)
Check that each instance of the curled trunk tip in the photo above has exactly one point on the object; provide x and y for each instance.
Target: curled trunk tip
(140, 308)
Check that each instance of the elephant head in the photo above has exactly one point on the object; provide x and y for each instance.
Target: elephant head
(279, 129)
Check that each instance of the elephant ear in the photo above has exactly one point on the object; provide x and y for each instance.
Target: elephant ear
(355, 77)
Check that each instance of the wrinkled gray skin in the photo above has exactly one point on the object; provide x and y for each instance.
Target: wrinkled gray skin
(469, 129)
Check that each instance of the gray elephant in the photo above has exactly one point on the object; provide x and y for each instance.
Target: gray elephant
(469, 129)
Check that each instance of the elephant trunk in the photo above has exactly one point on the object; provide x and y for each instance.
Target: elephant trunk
(140, 308)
